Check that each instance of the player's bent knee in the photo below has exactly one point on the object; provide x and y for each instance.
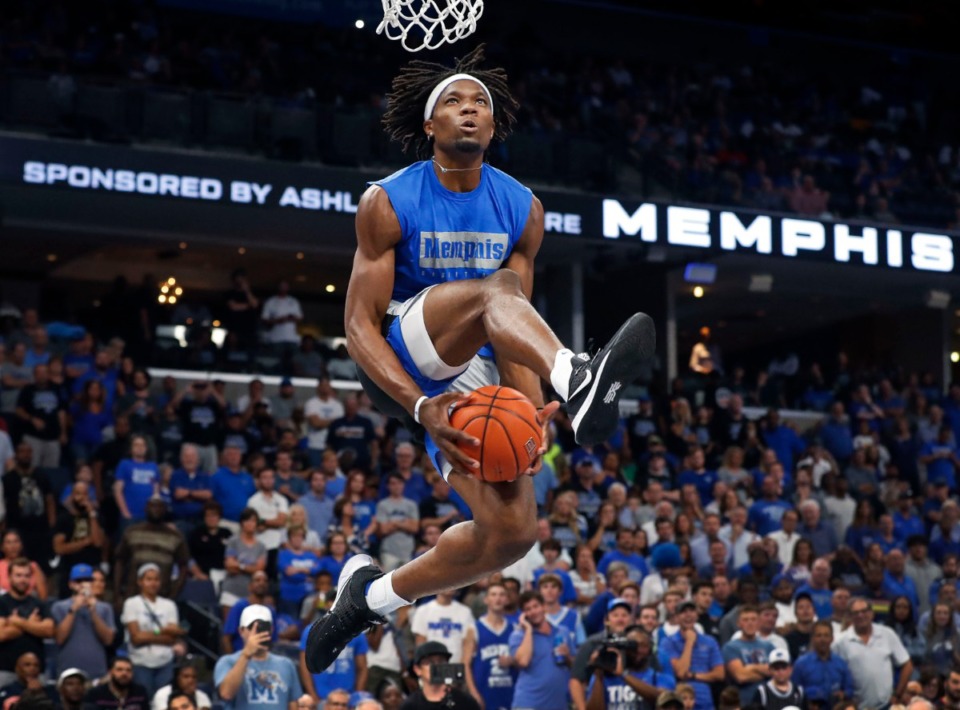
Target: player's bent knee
(513, 538)
(503, 281)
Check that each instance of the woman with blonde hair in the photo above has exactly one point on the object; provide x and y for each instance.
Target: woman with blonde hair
(566, 523)
(298, 518)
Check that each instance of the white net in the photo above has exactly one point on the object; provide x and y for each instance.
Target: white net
(427, 24)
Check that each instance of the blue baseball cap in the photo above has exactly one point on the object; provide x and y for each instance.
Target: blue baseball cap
(81, 572)
(666, 555)
(358, 697)
(619, 601)
(286, 382)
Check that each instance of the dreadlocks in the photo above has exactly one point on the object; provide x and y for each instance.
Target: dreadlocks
(403, 120)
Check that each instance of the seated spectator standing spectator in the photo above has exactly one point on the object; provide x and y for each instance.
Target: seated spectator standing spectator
(153, 629)
(208, 545)
(818, 588)
(787, 444)
(544, 665)
(551, 588)
(191, 488)
(296, 566)
(253, 677)
(435, 692)
(29, 503)
(137, 481)
(398, 521)
(201, 409)
(824, 676)
(289, 482)
(184, 684)
(232, 486)
(90, 417)
(746, 658)
(619, 616)
(28, 685)
(779, 692)
(244, 556)
(258, 592)
(281, 313)
(446, 620)
(13, 550)
(78, 537)
(765, 515)
(636, 679)
(43, 415)
(940, 458)
(72, 686)
(320, 411)
(85, 626)
(24, 621)
(273, 510)
(694, 657)
(352, 432)
(120, 692)
(155, 542)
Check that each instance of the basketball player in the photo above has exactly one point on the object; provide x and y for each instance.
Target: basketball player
(443, 271)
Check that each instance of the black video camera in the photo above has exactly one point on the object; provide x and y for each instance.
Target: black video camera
(613, 647)
(447, 674)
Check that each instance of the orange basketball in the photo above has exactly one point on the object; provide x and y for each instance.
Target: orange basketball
(506, 424)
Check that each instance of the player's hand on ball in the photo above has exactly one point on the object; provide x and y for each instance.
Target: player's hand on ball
(435, 418)
(545, 415)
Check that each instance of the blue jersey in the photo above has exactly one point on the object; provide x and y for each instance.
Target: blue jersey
(494, 683)
(620, 696)
(450, 236)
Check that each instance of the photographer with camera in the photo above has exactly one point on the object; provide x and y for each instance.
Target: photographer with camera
(627, 675)
(618, 619)
(441, 682)
(253, 677)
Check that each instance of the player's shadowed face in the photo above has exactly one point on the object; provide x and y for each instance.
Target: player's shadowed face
(462, 120)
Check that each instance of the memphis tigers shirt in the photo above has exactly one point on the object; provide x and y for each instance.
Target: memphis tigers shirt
(450, 236)
(494, 683)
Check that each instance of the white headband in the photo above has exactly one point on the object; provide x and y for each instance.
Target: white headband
(439, 88)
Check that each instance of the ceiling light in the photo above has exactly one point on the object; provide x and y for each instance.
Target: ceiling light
(330, 288)
(242, 250)
(954, 356)
(698, 291)
(359, 24)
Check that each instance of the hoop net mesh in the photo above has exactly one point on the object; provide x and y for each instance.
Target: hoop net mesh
(427, 24)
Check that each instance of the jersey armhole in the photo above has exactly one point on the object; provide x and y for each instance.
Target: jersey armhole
(399, 214)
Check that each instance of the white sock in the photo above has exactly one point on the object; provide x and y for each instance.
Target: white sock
(381, 598)
(560, 374)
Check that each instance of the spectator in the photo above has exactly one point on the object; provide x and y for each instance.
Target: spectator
(29, 503)
(336, 481)
(105, 372)
(25, 622)
(78, 537)
(779, 692)
(491, 664)
(433, 691)
(43, 415)
(242, 306)
(921, 569)
(807, 199)
(120, 690)
(137, 481)
(258, 592)
(284, 405)
(746, 658)
(281, 313)
(415, 486)
(28, 683)
(6, 460)
(870, 649)
(586, 579)
(201, 409)
(85, 625)
(619, 616)
(110, 453)
(15, 374)
(298, 517)
(153, 630)
(320, 411)
(272, 509)
(245, 556)
(13, 550)
(822, 536)
(446, 620)
(544, 666)
(296, 566)
(184, 683)
(694, 657)
(626, 553)
(824, 676)
(307, 362)
(290, 483)
(335, 556)
(208, 545)
(253, 677)
(398, 520)
(155, 542)
(72, 686)
(191, 489)
(232, 486)
(352, 432)
(318, 506)
(636, 678)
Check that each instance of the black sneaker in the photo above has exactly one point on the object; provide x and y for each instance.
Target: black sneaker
(597, 383)
(348, 617)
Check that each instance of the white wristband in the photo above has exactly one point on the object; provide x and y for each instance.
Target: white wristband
(416, 408)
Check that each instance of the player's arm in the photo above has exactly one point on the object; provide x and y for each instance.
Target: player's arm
(368, 296)
(521, 262)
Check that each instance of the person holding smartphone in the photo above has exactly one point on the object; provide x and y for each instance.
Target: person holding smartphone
(253, 677)
(85, 626)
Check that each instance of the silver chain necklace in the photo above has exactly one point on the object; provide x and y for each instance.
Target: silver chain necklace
(455, 170)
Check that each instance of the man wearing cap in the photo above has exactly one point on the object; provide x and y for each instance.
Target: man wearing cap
(253, 677)
(746, 658)
(801, 631)
(870, 650)
(24, 621)
(636, 681)
(779, 693)
(694, 657)
(72, 686)
(625, 552)
(618, 619)
(85, 626)
(435, 693)
(823, 675)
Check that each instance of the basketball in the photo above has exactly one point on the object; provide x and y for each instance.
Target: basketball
(506, 424)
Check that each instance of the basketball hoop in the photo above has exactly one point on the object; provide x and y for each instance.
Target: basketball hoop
(427, 24)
